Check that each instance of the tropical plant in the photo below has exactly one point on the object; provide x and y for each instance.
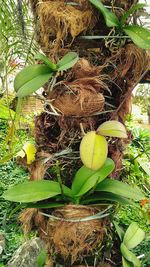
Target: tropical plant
(139, 35)
(94, 147)
(17, 46)
(129, 240)
(33, 77)
(88, 186)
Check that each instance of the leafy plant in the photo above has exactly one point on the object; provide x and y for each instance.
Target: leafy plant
(31, 78)
(139, 35)
(11, 174)
(129, 240)
(86, 182)
(41, 259)
(94, 147)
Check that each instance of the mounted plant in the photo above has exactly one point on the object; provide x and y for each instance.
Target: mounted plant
(31, 78)
(85, 181)
(72, 214)
(90, 186)
(139, 35)
(94, 147)
(129, 240)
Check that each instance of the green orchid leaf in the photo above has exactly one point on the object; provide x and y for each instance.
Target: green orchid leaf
(41, 259)
(144, 165)
(120, 188)
(34, 191)
(28, 74)
(107, 196)
(33, 85)
(112, 128)
(133, 236)
(93, 150)
(129, 256)
(110, 18)
(130, 12)
(46, 60)
(85, 178)
(126, 263)
(68, 61)
(139, 35)
(119, 230)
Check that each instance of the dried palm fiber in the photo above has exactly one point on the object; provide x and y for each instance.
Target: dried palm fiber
(130, 62)
(53, 134)
(37, 169)
(31, 218)
(59, 20)
(73, 239)
(34, 4)
(82, 92)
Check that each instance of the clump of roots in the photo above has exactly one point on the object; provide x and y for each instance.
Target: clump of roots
(75, 239)
(59, 19)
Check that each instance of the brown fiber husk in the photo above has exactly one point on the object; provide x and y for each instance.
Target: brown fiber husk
(130, 62)
(31, 218)
(59, 20)
(81, 94)
(75, 100)
(75, 239)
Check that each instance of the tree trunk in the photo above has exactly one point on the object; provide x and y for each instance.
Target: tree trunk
(96, 89)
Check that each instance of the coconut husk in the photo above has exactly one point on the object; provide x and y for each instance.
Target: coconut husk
(77, 98)
(130, 62)
(75, 239)
(59, 20)
(54, 134)
(30, 219)
(81, 94)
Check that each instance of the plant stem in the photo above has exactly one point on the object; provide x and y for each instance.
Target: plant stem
(59, 178)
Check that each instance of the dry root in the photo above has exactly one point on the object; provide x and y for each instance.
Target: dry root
(58, 19)
(75, 239)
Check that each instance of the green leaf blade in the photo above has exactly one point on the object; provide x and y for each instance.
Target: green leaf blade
(41, 259)
(119, 230)
(34, 191)
(33, 85)
(120, 188)
(68, 61)
(29, 73)
(126, 263)
(112, 128)
(86, 178)
(46, 60)
(130, 12)
(133, 236)
(93, 150)
(107, 196)
(129, 256)
(110, 18)
(139, 35)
